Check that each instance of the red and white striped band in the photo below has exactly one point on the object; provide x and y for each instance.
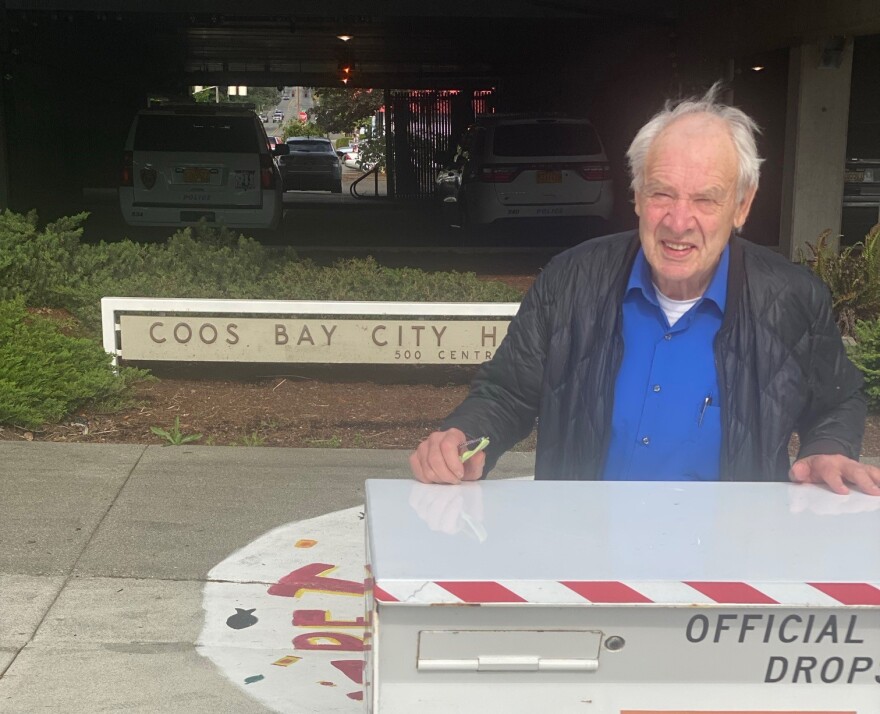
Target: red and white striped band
(544, 592)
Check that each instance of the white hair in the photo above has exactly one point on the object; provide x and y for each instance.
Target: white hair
(741, 126)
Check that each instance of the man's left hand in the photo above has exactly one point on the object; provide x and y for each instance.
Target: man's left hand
(838, 472)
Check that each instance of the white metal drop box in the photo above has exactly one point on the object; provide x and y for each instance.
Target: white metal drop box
(621, 598)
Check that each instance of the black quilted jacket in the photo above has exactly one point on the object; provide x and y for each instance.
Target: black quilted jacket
(780, 361)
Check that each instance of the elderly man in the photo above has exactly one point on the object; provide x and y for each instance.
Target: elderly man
(677, 352)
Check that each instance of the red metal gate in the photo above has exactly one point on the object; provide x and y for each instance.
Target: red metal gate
(423, 126)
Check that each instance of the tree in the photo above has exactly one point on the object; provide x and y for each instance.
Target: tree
(340, 110)
(373, 154)
(262, 97)
(295, 127)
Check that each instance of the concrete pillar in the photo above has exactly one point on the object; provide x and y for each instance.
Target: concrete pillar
(4, 98)
(4, 152)
(815, 143)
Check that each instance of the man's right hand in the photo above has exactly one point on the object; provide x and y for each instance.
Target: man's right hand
(438, 459)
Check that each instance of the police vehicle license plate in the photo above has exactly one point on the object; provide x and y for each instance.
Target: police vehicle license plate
(544, 176)
(853, 176)
(193, 175)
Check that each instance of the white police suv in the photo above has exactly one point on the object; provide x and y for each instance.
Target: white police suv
(200, 162)
(519, 167)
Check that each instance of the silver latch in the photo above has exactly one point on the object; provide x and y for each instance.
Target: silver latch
(509, 650)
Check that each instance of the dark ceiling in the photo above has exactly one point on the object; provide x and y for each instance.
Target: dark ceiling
(412, 43)
(416, 43)
(393, 43)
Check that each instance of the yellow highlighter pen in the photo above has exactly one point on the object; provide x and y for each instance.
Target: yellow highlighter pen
(474, 446)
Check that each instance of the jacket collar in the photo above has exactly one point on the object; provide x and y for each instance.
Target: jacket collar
(736, 281)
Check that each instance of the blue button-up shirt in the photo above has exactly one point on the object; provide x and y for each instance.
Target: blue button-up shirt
(666, 424)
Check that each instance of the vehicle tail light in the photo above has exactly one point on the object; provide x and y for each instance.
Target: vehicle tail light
(267, 172)
(595, 171)
(498, 174)
(127, 177)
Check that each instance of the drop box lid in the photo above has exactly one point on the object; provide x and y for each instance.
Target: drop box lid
(622, 543)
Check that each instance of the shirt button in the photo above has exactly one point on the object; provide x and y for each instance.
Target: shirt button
(667, 337)
(656, 387)
(646, 440)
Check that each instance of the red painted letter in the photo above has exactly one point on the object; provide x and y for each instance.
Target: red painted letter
(311, 578)
(336, 642)
(351, 668)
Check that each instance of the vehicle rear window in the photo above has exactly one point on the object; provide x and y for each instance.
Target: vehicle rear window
(209, 134)
(545, 140)
(323, 147)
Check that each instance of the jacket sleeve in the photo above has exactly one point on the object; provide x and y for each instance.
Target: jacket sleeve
(834, 419)
(505, 394)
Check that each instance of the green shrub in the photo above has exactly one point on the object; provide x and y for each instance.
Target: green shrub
(198, 262)
(365, 279)
(208, 263)
(852, 275)
(35, 264)
(45, 374)
(53, 269)
(865, 354)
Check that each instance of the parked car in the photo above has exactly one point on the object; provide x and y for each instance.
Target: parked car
(192, 162)
(353, 160)
(311, 164)
(343, 150)
(510, 168)
(273, 141)
(861, 181)
(861, 198)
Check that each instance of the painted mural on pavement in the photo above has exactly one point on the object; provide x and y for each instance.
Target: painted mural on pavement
(284, 616)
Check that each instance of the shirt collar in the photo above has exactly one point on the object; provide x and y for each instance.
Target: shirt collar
(640, 279)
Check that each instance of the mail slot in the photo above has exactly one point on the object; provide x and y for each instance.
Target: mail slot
(621, 598)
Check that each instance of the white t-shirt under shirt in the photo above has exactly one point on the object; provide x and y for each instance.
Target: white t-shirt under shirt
(674, 309)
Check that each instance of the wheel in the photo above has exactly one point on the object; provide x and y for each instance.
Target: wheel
(337, 187)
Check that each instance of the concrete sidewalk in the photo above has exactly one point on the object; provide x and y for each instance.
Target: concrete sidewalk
(105, 552)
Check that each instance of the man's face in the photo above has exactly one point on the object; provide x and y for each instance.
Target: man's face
(688, 207)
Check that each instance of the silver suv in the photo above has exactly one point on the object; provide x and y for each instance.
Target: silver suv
(515, 167)
(199, 162)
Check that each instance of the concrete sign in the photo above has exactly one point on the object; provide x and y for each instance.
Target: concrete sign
(325, 340)
(155, 329)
